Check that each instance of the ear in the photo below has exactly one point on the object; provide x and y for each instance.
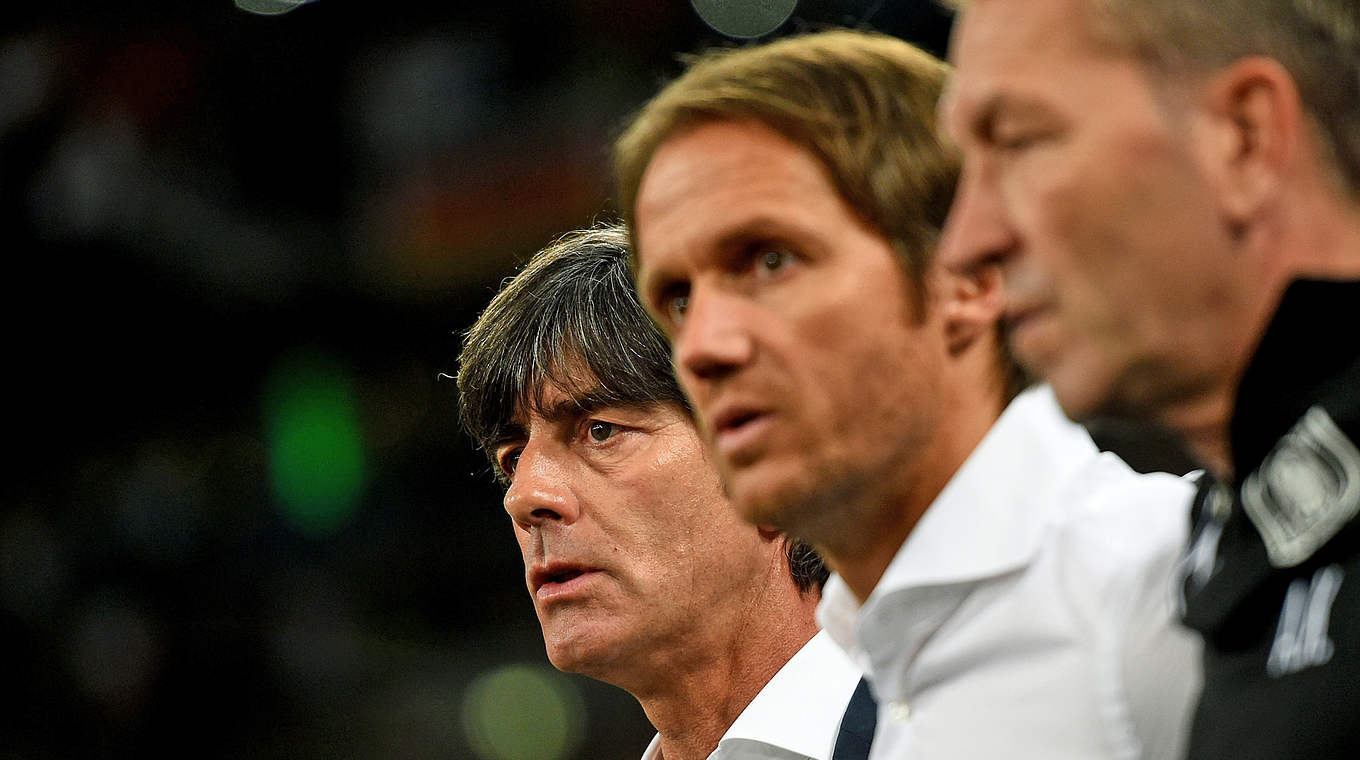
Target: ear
(971, 304)
(1252, 133)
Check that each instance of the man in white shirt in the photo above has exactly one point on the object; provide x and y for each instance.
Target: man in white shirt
(1007, 588)
(641, 574)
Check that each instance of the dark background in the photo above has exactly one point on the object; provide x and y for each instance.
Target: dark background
(238, 519)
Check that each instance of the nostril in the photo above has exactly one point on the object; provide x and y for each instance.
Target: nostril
(709, 370)
(543, 513)
(740, 420)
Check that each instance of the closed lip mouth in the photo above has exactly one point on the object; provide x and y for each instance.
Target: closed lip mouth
(1020, 313)
(734, 417)
(556, 572)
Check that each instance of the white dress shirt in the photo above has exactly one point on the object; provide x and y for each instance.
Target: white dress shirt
(797, 715)
(1031, 611)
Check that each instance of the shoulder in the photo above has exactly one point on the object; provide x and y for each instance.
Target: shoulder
(1116, 529)
(1114, 509)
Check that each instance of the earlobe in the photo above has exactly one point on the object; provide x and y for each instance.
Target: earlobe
(1257, 120)
(972, 305)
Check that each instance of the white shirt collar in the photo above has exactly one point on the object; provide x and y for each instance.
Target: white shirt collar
(988, 519)
(799, 711)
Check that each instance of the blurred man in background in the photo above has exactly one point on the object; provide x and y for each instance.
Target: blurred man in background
(1007, 587)
(1172, 189)
(641, 574)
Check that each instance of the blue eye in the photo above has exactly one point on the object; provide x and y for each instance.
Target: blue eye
(601, 431)
(676, 306)
(773, 260)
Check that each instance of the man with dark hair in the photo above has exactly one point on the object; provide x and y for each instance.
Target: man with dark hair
(1007, 587)
(641, 574)
(1172, 190)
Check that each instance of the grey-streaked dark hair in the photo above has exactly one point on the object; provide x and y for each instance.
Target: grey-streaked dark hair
(571, 320)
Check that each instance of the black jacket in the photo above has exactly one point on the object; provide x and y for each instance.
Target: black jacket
(1273, 573)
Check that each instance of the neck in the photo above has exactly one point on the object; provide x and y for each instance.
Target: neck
(1319, 238)
(1324, 241)
(693, 692)
(862, 553)
(694, 706)
(1203, 424)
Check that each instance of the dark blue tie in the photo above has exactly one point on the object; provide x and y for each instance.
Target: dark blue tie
(857, 726)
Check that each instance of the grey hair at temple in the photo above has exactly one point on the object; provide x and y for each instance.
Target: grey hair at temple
(1317, 41)
(570, 320)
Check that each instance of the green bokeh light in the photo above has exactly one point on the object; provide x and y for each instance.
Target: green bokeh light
(523, 712)
(316, 453)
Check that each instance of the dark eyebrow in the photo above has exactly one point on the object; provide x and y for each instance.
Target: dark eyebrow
(984, 122)
(762, 227)
(759, 229)
(983, 119)
(508, 433)
(579, 405)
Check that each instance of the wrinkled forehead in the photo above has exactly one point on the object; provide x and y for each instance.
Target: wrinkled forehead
(1006, 49)
(1019, 30)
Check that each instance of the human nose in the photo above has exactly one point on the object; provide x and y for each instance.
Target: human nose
(711, 341)
(540, 491)
(977, 230)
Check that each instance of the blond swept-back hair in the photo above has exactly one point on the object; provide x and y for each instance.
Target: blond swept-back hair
(1316, 41)
(862, 103)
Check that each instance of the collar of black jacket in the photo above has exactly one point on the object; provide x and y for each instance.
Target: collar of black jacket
(1309, 353)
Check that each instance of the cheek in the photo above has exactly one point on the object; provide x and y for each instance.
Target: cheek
(855, 326)
(523, 541)
(1050, 196)
(1087, 225)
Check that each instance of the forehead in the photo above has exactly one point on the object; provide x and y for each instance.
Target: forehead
(1010, 47)
(553, 385)
(565, 398)
(721, 177)
(1031, 27)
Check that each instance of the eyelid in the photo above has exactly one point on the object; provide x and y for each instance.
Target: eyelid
(504, 452)
(666, 295)
(589, 422)
(1009, 129)
(753, 255)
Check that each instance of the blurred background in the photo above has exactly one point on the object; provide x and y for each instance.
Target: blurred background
(238, 519)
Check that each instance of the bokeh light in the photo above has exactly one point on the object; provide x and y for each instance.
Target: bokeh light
(744, 19)
(215, 544)
(523, 712)
(315, 447)
(269, 7)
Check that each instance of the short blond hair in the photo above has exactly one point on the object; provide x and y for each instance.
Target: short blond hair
(862, 103)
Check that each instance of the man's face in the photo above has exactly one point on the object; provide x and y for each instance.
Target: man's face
(630, 549)
(1081, 179)
(794, 330)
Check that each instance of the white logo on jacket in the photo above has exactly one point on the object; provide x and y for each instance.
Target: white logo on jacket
(1306, 490)
(1301, 639)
